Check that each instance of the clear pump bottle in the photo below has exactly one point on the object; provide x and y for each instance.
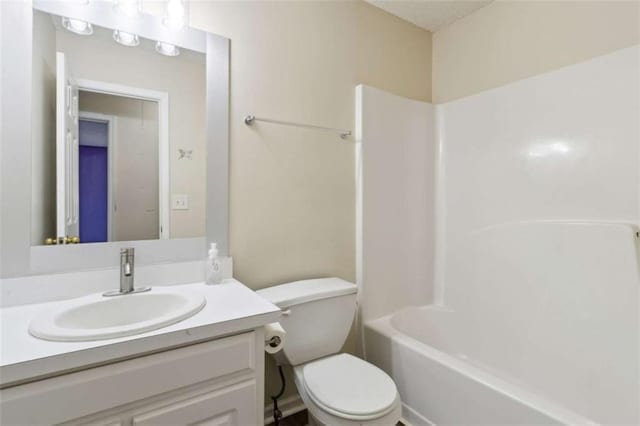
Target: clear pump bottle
(214, 266)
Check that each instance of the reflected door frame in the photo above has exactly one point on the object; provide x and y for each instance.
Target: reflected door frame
(111, 122)
(162, 98)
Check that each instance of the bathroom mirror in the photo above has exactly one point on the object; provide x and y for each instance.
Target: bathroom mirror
(118, 135)
(114, 134)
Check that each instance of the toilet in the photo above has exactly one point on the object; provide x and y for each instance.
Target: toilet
(337, 388)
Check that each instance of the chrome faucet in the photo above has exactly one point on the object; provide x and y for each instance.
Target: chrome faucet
(127, 266)
(127, 263)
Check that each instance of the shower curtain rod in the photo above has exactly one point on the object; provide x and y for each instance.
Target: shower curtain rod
(250, 119)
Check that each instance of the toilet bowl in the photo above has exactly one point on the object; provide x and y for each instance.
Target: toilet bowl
(337, 388)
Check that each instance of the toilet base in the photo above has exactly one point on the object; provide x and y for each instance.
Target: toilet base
(313, 421)
(388, 420)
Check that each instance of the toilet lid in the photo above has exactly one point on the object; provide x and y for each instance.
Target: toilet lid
(349, 387)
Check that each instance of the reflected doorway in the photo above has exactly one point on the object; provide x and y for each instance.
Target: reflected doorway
(94, 179)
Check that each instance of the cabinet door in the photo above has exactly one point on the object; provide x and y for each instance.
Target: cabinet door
(67, 161)
(229, 406)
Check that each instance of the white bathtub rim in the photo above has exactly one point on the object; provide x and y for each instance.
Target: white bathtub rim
(508, 390)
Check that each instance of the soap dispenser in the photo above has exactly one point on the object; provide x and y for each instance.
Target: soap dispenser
(214, 266)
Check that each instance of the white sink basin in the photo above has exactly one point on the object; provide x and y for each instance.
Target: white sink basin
(97, 317)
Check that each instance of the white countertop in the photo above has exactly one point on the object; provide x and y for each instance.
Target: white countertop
(231, 308)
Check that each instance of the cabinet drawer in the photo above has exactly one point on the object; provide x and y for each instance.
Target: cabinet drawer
(117, 384)
(232, 405)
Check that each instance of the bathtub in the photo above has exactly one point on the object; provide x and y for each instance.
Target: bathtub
(440, 385)
(525, 344)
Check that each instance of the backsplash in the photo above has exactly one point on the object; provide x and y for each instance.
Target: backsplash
(46, 288)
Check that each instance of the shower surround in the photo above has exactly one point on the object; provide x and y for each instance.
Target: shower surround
(530, 313)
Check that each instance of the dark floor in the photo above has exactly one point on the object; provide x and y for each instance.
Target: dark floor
(297, 419)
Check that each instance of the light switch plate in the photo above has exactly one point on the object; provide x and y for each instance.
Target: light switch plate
(180, 202)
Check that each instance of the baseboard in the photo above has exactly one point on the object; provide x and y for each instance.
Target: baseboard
(289, 405)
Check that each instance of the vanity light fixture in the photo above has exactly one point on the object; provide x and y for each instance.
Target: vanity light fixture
(125, 38)
(175, 13)
(128, 8)
(77, 26)
(167, 49)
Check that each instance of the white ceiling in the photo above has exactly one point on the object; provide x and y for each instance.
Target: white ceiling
(430, 14)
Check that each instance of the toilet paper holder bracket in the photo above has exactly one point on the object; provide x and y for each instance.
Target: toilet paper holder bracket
(274, 341)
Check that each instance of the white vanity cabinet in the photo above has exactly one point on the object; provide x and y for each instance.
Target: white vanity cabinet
(218, 382)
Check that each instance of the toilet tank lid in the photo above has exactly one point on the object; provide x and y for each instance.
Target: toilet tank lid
(294, 293)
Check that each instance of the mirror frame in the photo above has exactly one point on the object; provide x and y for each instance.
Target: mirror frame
(17, 256)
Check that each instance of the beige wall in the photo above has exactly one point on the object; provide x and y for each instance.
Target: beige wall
(511, 40)
(292, 191)
(135, 164)
(292, 199)
(43, 131)
(183, 78)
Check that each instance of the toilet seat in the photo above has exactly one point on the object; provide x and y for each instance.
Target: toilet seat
(350, 388)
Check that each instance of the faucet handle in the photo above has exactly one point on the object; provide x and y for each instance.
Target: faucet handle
(126, 274)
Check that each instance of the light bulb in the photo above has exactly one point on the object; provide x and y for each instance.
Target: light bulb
(129, 8)
(77, 26)
(175, 13)
(126, 39)
(167, 49)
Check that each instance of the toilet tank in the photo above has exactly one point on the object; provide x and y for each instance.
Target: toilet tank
(317, 316)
